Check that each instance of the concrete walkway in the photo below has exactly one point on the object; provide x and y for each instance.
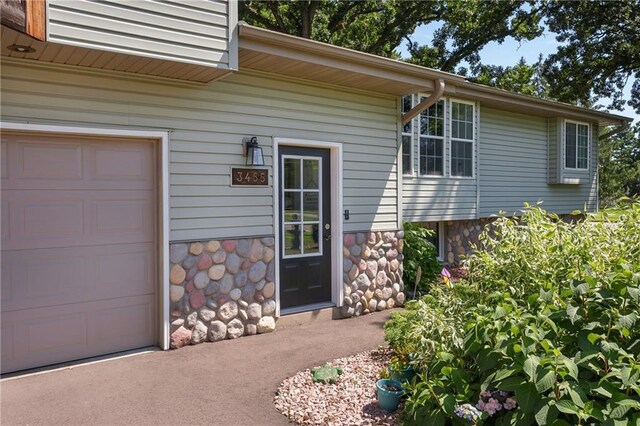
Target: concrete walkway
(223, 383)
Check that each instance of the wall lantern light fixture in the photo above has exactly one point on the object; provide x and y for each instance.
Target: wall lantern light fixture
(253, 151)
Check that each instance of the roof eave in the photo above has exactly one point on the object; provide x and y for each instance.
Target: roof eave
(390, 76)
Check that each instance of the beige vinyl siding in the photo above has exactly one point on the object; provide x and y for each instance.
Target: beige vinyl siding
(207, 124)
(513, 166)
(191, 31)
(429, 199)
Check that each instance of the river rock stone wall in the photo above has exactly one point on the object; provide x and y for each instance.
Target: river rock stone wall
(459, 237)
(372, 266)
(221, 289)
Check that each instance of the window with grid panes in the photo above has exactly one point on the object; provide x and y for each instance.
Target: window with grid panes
(461, 139)
(576, 145)
(431, 132)
(407, 138)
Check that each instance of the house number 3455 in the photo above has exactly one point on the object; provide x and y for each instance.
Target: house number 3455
(258, 177)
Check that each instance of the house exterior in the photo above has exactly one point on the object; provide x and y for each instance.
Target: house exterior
(131, 218)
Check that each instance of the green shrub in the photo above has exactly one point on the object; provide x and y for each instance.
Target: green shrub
(551, 312)
(419, 252)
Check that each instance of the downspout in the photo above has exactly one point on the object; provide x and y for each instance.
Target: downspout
(432, 99)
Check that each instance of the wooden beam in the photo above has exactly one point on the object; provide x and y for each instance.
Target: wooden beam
(432, 99)
(37, 19)
(26, 16)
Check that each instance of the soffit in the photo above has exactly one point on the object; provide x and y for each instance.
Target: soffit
(269, 51)
(107, 60)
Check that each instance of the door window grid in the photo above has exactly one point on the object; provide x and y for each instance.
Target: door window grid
(302, 206)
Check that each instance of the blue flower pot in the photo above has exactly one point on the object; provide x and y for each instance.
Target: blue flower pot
(405, 374)
(389, 393)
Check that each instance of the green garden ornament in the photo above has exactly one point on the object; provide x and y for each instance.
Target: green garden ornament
(326, 374)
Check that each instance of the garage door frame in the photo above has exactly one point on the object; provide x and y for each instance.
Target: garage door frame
(162, 137)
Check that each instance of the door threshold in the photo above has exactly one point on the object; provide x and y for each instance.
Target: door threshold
(308, 314)
(306, 308)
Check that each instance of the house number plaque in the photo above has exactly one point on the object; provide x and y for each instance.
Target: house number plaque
(254, 177)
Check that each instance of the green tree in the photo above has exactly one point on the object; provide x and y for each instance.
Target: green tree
(379, 27)
(521, 78)
(620, 166)
(599, 51)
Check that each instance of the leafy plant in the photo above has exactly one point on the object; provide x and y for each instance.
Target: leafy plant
(549, 316)
(419, 252)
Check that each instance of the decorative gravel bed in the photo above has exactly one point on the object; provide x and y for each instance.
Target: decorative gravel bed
(351, 401)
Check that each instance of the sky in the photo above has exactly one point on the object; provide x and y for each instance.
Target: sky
(509, 53)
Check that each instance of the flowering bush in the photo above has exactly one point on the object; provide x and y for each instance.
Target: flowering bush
(468, 412)
(491, 402)
(552, 323)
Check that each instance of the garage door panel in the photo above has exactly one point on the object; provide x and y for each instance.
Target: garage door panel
(51, 219)
(48, 277)
(124, 218)
(7, 350)
(70, 332)
(36, 162)
(4, 161)
(125, 270)
(51, 161)
(5, 212)
(118, 162)
(124, 325)
(46, 219)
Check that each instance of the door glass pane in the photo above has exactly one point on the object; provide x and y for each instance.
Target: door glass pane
(311, 174)
(311, 206)
(311, 238)
(291, 172)
(292, 208)
(292, 239)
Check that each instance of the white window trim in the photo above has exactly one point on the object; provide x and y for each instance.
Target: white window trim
(411, 173)
(440, 241)
(443, 138)
(564, 145)
(473, 140)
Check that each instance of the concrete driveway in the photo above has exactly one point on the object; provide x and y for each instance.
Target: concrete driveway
(223, 383)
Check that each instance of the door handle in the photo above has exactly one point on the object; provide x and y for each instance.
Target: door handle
(327, 232)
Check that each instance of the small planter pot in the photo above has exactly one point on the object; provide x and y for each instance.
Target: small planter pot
(405, 374)
(389, 393)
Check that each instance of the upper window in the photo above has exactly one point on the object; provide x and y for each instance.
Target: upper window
(576, 146)
(461, 139)
(407, 137)
(432, 140)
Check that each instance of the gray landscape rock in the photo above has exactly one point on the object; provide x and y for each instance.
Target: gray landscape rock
(266, 325)
(217, 331)
(235, 329)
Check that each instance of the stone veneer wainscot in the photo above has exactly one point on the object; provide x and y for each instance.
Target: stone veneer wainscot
(372, 272)
(221, 289)
(225, 289)
(461, 236)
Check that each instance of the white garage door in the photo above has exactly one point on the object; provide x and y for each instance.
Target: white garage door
(78, 248)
